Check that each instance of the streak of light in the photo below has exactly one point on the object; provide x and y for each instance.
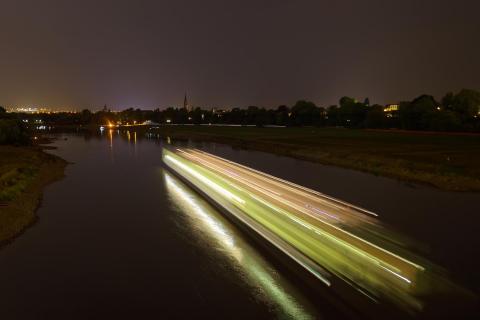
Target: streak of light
(339, 229)
(252, 264)
(324, 235)
(210, 183)
(293, 185)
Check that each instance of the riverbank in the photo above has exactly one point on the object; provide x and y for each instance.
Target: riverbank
(448, 162)
(24, 172)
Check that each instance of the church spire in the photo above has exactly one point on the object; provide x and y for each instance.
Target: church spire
(185, 102)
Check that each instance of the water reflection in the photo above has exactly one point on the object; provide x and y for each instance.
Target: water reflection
(110, 138)
(115, 136)
(210, 226)
(134, 142)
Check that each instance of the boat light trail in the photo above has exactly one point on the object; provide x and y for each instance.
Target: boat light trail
(324, 235)
(207, 181)
(248, 260)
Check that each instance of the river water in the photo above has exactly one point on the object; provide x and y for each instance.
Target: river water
(121, 237)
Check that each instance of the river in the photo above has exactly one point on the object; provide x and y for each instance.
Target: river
(121, 237)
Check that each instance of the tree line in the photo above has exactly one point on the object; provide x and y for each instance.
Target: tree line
(454, 112)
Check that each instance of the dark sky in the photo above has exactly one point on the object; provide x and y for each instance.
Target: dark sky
(89, 53)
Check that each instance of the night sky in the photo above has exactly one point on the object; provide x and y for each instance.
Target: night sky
(234, 53)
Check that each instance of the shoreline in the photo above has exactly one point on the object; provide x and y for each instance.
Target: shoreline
(24, 174)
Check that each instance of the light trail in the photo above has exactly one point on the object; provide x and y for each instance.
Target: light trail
(293, 185)
(288, 190)
(284, 199)
(316, 231)
(322, 233)
(207, 181)
(305, 262)
(254, 267)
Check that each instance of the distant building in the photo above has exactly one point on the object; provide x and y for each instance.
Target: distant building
(391, 110)
(221, 111)
(151, 123)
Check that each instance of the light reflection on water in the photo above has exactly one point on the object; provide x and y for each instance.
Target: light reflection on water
(209, 226)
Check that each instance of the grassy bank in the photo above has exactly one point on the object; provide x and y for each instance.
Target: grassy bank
(24, 172)
(448, 162)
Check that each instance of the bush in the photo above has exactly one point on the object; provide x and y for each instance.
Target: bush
(13, 132)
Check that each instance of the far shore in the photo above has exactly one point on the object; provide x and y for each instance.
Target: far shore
(445, 161)
(24, 173)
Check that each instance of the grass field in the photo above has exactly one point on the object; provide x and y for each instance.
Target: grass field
(24, 172)
(446, 161)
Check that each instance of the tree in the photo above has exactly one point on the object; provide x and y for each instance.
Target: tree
(346, 102)
(251, 115)
(306, 113)
(14, 132)
(333, 116)
(448, 100)
(236, 116)
(103, 117)
(282, 117)
(467, 104)
(352, 113)
(375, 117)
(85, 116)
(417, 114)
(261, 119)
(3, 112)
(196, 115)
(445, 120)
